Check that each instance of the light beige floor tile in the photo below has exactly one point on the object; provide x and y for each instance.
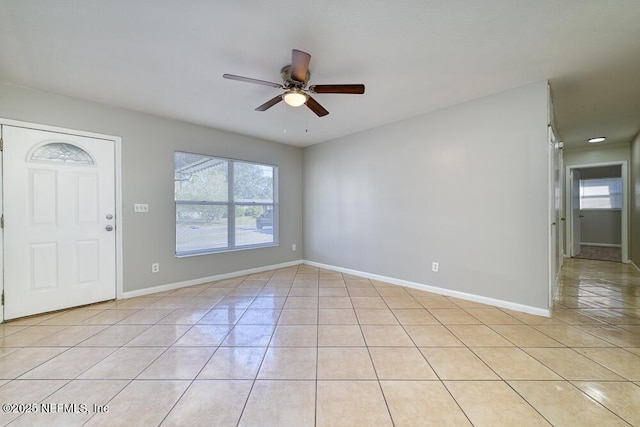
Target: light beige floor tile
(572, 336)
(125, 363)
(183, 316)
(335, 302)
(301, 302)
(433, 301)
(514, 364)
(70, 364)
(618, 360)
(337, 316)
(70, 317)
(340, 336)
(422, 403)
(453, 316)
(89, 393)
(531, 319)
(234, 302)
(376, 316)
(23, 360)
(390, 290)
(8, 329)
(178, 363)
(71, 336)
(369, 291)
(142, 402)
(298, 316)
(368, 302)
(290, 363)
(622, 398)
(457, 363)
(385, 336)
(33, 320)
(345, 363)
(467, 304)
(269, 303)
(115, 336)
(493, 316)
(412, 316)
(30, 335)
(298, 291)
(25, 391)
(478, 336)
(351, 403)
(226, 316)
(109, 316)
(571, 365)
(230, 363)
(210, 403)
(401, 363)
(204, 335)
(138, 302)
(280, 403)
(525, 336)
(613, 334)
(326, 290)
(492, 403)
(295, 336)
(146, 316)
(432, 336)
(401, 302)
(160, 335)
(563, 405)
(275, 291)
(259, 316)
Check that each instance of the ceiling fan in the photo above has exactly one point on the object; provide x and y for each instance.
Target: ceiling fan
(294, 81)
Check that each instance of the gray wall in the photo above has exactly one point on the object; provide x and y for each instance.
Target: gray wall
(466, 187)
(148, 144)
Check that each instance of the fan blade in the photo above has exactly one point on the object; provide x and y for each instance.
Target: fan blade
(250, 80)
(316, 108)
(352, 89)
(299, 65)
(270, 103)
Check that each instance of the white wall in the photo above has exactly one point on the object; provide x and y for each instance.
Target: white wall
(634, 229)
(466, 186)
(148, 145)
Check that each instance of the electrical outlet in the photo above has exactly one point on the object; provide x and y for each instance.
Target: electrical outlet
(294, 247)
(155, 267)
(140, 207)
(435, 267)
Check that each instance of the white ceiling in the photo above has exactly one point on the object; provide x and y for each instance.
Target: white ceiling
(414, 56)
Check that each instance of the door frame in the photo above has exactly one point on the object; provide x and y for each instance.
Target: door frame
(624, 211)
(118, 194)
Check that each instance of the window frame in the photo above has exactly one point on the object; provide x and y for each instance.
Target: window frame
(616, 197)
(231, 205)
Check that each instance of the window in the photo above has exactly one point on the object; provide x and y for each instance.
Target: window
(223, 204)
(601, 193)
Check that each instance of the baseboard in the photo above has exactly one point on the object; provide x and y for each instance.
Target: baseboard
(201, 280)
(633, 264)
(602, 245)
(442, 291)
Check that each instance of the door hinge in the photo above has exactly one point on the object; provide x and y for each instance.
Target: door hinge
(2, 298)
(2, 221)
(1, 144)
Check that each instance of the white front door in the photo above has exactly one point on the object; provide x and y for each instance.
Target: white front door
(59, 219)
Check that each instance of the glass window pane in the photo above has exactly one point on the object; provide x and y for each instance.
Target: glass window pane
(61, 152)
(201, 228)
(252, 182)
(601, 193)
(200, 178)
(254, 225)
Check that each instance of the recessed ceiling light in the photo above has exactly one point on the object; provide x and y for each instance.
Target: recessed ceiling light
(596, 139)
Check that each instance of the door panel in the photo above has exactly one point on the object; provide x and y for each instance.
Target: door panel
(59, 190)
(576, 217)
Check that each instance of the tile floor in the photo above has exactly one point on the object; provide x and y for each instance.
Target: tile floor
(303, 347)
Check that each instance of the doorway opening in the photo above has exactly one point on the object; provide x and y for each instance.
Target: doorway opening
(596, 211)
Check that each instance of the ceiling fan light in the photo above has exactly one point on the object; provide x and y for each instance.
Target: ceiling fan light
(294, 98)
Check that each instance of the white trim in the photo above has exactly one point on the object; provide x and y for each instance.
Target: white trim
(604, 245)
(118, 187)
(201, 280)
(634, 265)
(442, 291)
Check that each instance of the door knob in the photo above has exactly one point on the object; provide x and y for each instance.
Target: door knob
(109, 227)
